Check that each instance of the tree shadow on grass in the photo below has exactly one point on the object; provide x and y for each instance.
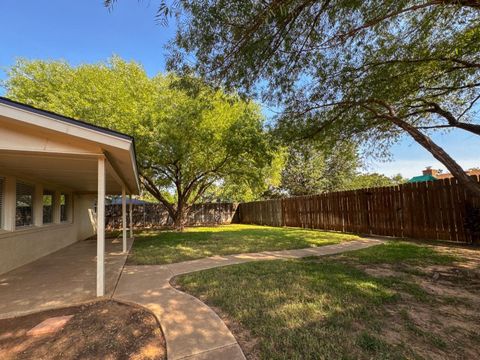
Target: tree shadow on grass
(169, 246)
(302, 309)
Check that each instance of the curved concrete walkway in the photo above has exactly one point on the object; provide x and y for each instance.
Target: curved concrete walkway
(192, 330)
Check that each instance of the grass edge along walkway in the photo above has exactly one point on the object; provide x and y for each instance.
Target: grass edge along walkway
(334, 307)
(192, 329)
(166, 247)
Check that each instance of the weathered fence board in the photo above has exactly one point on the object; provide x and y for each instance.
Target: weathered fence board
(267, 212)
(156, 215)
(440, 210)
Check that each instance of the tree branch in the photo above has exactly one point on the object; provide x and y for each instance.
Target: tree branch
(427, 143)
(475, 4)
(152, 189)
(451, 119)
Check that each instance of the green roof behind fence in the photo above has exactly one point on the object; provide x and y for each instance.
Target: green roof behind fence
(422, 178)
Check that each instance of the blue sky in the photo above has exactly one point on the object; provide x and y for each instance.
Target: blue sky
(84, 32)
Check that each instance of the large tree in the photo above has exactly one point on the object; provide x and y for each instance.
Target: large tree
(370, 70)
(188, 135)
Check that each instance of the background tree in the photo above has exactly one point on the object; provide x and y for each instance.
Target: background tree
(201, 137)
(309, 169)
(370, 180)
(243, 191)
(313, 168)
(188, 135)
(370, 70)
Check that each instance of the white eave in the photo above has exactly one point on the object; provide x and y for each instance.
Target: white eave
(29, 132)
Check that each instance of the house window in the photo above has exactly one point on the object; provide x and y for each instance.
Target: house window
(24, 205)
(47, 207)
(2, 191)
(64, 204)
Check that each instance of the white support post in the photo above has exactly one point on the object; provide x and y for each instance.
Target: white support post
(10, 200)
(101, 228)
(38, 205)
(124, 219)
(131, 216)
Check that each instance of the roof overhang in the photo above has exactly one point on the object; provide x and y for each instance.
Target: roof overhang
(47, 147)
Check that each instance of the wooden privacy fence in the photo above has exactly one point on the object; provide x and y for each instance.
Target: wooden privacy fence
(440, 210)
(156, 215)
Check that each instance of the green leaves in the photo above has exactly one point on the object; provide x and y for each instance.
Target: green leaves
(188, 135)
(334, 65)
(311, 169)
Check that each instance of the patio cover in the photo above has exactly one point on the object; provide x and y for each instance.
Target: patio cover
(71, 154)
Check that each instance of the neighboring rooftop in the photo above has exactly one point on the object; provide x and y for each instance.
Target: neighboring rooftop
(430, 174)
(118, 201)
(422, 178)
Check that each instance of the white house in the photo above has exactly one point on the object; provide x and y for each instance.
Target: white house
(54, 172)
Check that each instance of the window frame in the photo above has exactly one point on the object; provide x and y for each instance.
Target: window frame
(10, 211)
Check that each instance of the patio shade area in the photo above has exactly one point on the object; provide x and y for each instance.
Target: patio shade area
(60, 279)
(54, 175)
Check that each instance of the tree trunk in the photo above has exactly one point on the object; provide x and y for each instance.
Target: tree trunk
(180, 216)
(438, 153)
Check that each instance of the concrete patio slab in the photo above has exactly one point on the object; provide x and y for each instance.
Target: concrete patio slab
(190, 326)
(64, 278)
(193, 330)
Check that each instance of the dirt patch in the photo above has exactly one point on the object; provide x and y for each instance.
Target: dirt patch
(380, 271)
(470, 256)
(433, 332)
(433, 314)
(99, 330)
(445, 325)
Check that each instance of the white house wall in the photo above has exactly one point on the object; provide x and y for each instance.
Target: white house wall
(24, 245)
(84, 216)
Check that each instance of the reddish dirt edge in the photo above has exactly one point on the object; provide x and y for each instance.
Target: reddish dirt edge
(103, 329)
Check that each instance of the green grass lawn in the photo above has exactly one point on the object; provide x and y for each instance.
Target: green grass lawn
(336, 308)
(164, 247)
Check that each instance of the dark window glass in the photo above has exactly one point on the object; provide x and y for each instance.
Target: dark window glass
(24, 205)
